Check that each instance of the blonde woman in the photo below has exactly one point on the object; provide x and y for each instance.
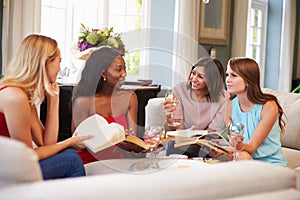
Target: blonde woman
(30, 77)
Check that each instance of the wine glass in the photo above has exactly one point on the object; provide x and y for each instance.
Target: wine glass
(233, 130)
(171, 97)
(152, 137)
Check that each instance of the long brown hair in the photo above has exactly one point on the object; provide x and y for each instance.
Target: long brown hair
(214, 80)
(248, 69)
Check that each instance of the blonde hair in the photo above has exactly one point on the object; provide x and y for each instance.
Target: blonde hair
(28, 68)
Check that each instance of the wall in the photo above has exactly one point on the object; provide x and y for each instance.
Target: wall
(162, 22)
(163, 16)
(273, 44)
(296, 64)
(223, 52)
(161, 41)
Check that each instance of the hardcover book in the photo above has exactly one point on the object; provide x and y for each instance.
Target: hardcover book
(106, 135)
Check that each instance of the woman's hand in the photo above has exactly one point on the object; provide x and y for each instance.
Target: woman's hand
(55, 88)
(238, 139)
(240, 145)
(76, 141)
(169, 107)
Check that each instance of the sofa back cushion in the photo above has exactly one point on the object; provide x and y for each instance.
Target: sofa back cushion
(290, 103)
(18, 163)
(154, 112)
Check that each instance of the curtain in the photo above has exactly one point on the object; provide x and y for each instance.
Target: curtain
(287, 45)
(185, 45)
(20, 18)
(239, 35)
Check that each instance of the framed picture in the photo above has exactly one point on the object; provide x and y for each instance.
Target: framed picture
(214, 22)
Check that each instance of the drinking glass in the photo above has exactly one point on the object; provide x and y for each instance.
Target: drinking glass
(171, 97)
(233, 130)
(152, 137)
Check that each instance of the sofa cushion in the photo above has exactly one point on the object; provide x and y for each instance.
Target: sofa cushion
(288, 194)
(292, 156)
(297, 170)
(154, 112)
(18, 163)
(182, 181)
(290, 102)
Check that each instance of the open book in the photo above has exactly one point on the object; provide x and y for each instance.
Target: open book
(186, 133)
(202, 144)
(105, 134)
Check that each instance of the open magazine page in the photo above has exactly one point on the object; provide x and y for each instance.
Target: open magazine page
(208, 145)
(217, 138)
(186, 133)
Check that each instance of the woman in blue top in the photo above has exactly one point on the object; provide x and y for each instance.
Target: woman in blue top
(259, 112)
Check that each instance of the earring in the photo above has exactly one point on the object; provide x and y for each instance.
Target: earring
(104, 79)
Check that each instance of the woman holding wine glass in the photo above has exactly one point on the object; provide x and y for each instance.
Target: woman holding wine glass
(200, 100)
(260, 113)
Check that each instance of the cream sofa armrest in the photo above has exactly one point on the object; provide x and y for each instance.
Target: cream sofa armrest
(297, 170)
(154, 112)
(18, 163)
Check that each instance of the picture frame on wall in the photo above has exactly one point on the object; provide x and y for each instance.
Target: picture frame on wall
(214, 22)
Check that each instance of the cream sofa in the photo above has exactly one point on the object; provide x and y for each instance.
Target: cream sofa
(290, 103)
(20, 175)
(20, 178)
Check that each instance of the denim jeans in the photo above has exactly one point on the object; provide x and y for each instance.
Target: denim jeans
(66, 163)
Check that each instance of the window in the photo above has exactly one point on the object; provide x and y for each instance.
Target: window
(61, 20)
(256, 37)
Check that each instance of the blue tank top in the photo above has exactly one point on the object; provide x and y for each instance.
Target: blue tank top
(270, 149)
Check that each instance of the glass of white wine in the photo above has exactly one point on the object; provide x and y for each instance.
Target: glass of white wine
(172, 98)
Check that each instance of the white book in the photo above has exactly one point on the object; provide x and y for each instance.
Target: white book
(105, 134)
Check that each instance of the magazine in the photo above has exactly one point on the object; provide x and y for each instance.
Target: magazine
(211, 145)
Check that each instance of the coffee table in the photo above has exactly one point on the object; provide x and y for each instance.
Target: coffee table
(132, 165)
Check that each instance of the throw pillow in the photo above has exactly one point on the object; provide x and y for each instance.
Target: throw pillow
(18, 163)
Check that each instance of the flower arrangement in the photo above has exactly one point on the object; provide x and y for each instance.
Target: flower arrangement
(99, 37)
